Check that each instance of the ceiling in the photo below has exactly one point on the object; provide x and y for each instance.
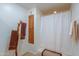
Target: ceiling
(41, 6)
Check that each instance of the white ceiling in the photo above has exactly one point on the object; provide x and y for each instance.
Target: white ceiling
(42, 6)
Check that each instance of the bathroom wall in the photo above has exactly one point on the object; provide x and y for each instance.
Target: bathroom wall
(34, 47)
(46, 32)
(9, 16)
(75, 15)
(54, 32)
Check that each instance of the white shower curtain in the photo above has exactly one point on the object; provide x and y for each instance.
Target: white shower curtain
(54, 33)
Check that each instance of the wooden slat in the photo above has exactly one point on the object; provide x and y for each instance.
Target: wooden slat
(14, 40)
(31, 29)
(23, 30)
